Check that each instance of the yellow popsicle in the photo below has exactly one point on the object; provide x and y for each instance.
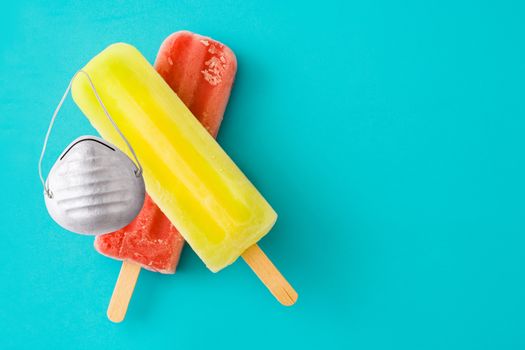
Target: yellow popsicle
(194, 182)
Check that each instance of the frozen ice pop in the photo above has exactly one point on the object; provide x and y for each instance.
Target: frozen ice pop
(184, 61)
(188, 175)
(194, 182)
(150, 241)
(201, 72)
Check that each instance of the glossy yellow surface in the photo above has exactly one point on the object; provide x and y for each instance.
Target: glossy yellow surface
(194, 182)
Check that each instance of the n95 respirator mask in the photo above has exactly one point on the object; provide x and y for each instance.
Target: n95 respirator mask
(93, 187)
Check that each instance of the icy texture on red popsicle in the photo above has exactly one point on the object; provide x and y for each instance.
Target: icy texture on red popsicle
(149, 240)
(201, 71)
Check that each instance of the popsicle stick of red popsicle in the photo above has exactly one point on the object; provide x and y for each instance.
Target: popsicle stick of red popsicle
(189, 64)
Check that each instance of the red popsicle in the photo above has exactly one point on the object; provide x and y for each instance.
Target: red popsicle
(150, 240)
(201, 71)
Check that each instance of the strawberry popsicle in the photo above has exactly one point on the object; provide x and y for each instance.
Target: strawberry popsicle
(201, 72)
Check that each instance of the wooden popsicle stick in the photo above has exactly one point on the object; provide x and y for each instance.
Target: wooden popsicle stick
(269, 275)
(127, 278)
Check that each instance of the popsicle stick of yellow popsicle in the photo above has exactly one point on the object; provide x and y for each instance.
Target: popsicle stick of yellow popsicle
(269, 275)
(193, 181)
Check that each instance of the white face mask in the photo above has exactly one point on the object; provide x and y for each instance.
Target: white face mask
(93, 187)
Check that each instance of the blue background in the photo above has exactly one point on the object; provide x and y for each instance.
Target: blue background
(387, 135)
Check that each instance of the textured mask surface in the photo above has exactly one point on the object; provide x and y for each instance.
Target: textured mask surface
(94, 188)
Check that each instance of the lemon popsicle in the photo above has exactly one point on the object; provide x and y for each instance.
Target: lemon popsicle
(188, 175)
(186, 61)
(193, 181)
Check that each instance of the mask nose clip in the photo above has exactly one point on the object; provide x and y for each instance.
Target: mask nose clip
(48, 192)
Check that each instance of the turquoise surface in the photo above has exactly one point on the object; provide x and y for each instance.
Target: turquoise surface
(389, 137)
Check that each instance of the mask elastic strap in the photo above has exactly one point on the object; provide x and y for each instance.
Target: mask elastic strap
(47, 191)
